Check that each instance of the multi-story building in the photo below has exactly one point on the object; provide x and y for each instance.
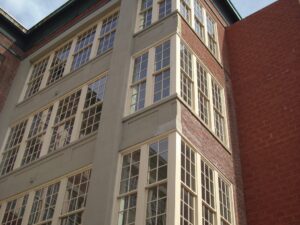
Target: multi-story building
(122, 113)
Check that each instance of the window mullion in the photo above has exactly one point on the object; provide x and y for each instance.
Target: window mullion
(70, 57)
(217, 205)
(96, 41)
(205, 26)
(211, 105)
(192, 19)
(177, 65)
(47, 137)
(23, 144)
(47, 72)
(150, 78)
(142, 183)
(2, 150)
(2, 210)
(195, 83)
(173, 65)
(26, 86)
(174, 181)
(59, 201)
(155, 11)
(28, 208)
(78, 115)
(198, 190)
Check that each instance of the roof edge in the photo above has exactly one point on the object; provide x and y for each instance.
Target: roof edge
(13, 21)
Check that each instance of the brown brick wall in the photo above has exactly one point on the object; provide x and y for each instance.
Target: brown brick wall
(9, 63)
(264, 54)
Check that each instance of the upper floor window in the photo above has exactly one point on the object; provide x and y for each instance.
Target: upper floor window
(59, 63)
(212, 36)
(83, 48)
(36, 77)
(146, 13)
(225, 205)
(203, 95)
(138, 86)
(165, 7)
(185, 9)
(199, 19)
(107, 33)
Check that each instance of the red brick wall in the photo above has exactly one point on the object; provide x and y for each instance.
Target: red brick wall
(9, 64)
(264, 54)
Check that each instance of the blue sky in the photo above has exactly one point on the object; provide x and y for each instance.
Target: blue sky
(30, 12)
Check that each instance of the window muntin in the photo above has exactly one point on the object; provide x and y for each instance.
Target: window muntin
(44, 204)
(164, 8)
(36, 135)
(162, 71)
(185, 10)
(83, 48)
(188, 166)
(64, 121)
(146, 13)
(187, 207)
(158, 161)
(130, 172)
(212, 36)
(157, 205)
(225, 197)
(208, 216)
(138, 86)
(217, 94)
(186, 75)
(199, 19)
(36, 77)
(59, 63)
(93, 107)
(107, 33)
(12, 147)
(75, 198)
(203, 97)
(14, 211)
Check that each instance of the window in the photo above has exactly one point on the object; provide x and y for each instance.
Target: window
(43, 205)
(59, 63)
(165, 7)
(225, 198)
(218, 110)
(138, 86)
(107, 33)
(93, 107)
(75, 198)
(129, 182)
(83, 48)
(157, 205)
(185, 10)
(158, 160)
(208, 196)
(162, 74)
(199, 19)
(36, 77)
(36, 136)
(188, 187)
(146, 13)
(203, 97)
(212, 36)
(14, 211)
(64, 121)
(186, 74)
(12, 147)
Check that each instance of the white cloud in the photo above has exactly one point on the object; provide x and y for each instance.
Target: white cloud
(247, 7)
(30, 12)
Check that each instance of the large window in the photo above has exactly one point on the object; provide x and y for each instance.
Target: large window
(93, 107)
(162, 71)
(14, 211)
(225, 207)
(212, 36)
(44, 202)
(165, 7)
(199, 19)
(75, 198)
(138, 86)
(64, 121)
(185, 9)
(128, 188)
(36, 136)
(36, 77)
(83, 48)
(107, 33)
(203, 97)
(12, 147)
(59, 63)
(186, 75)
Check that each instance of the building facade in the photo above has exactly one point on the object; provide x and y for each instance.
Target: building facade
(122, 113)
